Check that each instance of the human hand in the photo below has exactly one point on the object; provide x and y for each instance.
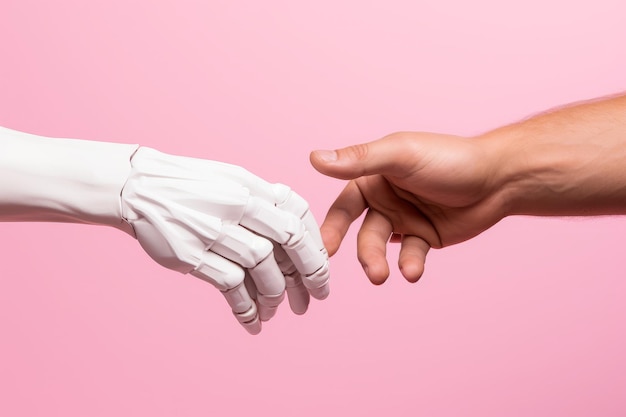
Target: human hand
(251, 239)
(430, 190)
(422, 189)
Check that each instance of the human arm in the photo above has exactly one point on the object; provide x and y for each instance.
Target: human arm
(251, 239)
(429, 190)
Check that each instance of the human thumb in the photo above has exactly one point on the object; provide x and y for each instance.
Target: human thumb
(383, 156)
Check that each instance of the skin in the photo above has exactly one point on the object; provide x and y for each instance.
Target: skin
(431, 190)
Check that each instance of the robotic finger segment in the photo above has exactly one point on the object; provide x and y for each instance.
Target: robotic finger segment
(282, 260)
(305, 254)
(320, 293)
(266, 312)
(239, 300)
(292, 202)
(271, 300)
(317, 283)
(268, 277)
(268, 305)
(297, 294)
(241, 246)
(249, 320)
(219, 271)
(267, 220)
(250, 286)
(244, 308)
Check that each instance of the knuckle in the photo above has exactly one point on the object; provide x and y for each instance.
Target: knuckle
(299, 204)
(223, 274)
(398, 136)
(232, 279)
(402, 139)
(259, 249)
(292, 202)
(281, 192)
(248, 316)
(357, 152)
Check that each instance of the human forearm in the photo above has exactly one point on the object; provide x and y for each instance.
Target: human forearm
(571, 161)
(65, 180)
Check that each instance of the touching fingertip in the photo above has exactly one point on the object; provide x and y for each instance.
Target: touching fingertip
(331, 240)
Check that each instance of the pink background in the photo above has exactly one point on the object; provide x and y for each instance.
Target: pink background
(527, 319)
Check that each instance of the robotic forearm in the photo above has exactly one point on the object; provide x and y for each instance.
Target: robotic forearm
(64, 180)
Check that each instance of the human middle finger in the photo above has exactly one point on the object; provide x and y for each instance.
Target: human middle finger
(372, 246)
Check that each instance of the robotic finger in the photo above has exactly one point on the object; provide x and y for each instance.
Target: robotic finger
(254, 253)
(229, 279)
(290, 201)
(265, 312)
(312, 264)
(238, 298)
(297, 293)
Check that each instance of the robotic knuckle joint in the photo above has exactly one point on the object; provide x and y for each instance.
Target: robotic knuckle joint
(223, 275)
(246, 316)
(231, 281)
(302, 204)
(258, 251)
(296, 236)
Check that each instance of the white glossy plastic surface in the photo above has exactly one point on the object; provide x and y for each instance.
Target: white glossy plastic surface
(251, 239)
(222, 224)
(62, 180)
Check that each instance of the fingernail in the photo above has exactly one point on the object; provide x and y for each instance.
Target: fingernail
(327, 156)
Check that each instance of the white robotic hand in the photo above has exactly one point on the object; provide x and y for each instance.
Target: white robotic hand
(251, 239)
